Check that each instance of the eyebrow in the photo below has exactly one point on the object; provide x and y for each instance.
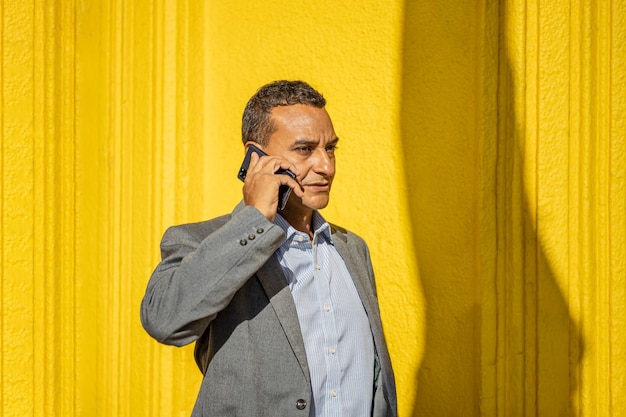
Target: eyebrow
(334, 141)
(315, 142)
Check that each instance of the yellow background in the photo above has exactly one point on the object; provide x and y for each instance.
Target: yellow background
(482, 156)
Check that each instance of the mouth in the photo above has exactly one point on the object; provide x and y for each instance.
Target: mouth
(319, 187)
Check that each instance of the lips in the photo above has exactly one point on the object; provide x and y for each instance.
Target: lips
(318, 186)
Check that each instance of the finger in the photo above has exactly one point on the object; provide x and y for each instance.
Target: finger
(284, 164)
(273, 164)
(254, 159)
(291, 183)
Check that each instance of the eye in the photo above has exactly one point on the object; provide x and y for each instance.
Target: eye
(304, 149)
(331, 149)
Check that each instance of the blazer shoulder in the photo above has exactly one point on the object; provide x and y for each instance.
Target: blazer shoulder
(197, 231)
(346, 235)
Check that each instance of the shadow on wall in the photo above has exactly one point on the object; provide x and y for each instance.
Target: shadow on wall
(441, 150)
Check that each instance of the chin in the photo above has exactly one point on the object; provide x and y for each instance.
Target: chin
(314, 203)
(317, 203)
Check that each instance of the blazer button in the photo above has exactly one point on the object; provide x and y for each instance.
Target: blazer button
(301, 404)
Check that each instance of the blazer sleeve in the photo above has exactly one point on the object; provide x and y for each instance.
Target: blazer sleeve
(203, 266)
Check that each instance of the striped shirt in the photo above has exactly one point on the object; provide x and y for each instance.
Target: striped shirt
(336, 332)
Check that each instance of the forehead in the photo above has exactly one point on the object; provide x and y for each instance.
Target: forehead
(301, 117)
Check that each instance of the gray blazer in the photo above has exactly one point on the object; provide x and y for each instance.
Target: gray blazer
(219, 285)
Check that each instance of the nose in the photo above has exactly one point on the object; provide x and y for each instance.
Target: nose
(324, 163)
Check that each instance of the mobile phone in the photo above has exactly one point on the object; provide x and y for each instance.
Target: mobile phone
(283, 192)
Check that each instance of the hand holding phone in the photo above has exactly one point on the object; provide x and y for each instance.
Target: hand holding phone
(284, 191)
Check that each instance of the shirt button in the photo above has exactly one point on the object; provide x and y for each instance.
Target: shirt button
(301, 404)
(326, 308)
(317, 266)
(243, 242)
(333, 393)
(332, 350)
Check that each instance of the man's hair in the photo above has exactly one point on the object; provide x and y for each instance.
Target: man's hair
(256, 124)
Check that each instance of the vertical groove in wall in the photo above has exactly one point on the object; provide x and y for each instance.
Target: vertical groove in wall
(576, 49)
(183, 167)
(183, 163)
(588, 177)
(39, 179)
(158, 195)
(583, 193)
(617, 207)
(602, 226)
(114, 212)
(54, 200)
(504, 87)
(68, 206)
(169, 185)
(168, 81)
(618, 216)
(127, 190)
(3, 278)
(486, 238)
(503, 108)
(98, 79)
(528, 140)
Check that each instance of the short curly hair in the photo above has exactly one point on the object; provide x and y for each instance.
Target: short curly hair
(256, 123)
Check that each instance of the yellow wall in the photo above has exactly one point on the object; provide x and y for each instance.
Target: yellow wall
(482, 156)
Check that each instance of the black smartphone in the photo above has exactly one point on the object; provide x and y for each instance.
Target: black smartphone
(283, 192)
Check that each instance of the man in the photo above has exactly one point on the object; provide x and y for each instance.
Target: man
(281, 304)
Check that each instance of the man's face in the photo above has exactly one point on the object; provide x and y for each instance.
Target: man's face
(305, 136)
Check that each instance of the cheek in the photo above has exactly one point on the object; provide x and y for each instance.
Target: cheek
(305, 171)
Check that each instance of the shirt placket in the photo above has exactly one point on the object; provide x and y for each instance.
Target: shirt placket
(322, 279)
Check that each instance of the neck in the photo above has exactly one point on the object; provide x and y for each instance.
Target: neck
(301, 221)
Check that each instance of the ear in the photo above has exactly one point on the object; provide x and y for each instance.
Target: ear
(248, 143)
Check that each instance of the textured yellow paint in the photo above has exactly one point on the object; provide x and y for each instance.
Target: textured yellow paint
(482, 156)
(17, 210)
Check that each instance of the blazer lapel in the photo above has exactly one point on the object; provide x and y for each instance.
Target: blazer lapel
(359, 272)
(360, 276)
(275, 285)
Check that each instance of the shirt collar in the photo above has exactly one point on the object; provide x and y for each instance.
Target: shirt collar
(321, 228)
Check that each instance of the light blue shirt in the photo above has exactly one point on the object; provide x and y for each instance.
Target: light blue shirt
(336, 332)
